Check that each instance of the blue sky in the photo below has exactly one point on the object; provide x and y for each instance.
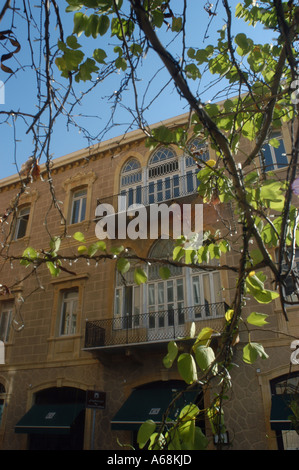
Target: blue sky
(20, 91)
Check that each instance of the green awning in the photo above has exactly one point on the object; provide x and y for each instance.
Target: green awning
(281, 412)
(150, 403)
(49, 419)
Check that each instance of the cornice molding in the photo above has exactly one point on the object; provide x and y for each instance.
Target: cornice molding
(79, 178)
(96, 151)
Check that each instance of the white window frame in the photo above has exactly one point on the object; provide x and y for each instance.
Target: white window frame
(131, 185)
(273, 153)
(22, 223)
(69, 313)
(5, 321)
(199, 149)
(80, 195)
(123, 319)
(163, 169)
(172, 309)
(204, 309)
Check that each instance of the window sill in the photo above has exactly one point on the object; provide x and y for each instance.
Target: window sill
(21, 239)
(82, 225)
(64, 337)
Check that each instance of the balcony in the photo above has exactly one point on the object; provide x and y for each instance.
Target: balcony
(154, 327)
(168, 189)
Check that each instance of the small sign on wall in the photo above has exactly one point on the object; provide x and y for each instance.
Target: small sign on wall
(95, 399)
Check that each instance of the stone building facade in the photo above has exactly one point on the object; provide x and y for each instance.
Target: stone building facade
(86, 331)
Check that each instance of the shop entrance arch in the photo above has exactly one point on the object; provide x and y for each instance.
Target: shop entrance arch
(56, 420)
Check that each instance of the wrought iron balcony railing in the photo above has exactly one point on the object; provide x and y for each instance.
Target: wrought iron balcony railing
(168, 189)
(152, 327)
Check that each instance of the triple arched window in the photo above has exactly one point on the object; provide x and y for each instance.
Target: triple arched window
(162, 305)
(167, 176)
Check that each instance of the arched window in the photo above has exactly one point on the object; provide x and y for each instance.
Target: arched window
(163, 176)
(200, 150)
(131, 183)
(166, 297)
(162, 249)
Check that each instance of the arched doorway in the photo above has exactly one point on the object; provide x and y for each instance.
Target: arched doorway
(284, 410)
(151, 401)
(56, 420)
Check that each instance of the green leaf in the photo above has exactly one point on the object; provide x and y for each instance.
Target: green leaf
(254, 281)
(53, 268)
(75, 7)
(157, 441)
(91, 27)
(204, 356)
(121, 63)
(99, 55)
(140, 276)
(252, 351)
(187, 368)
(173, 439)
(244, 44)
(189, 412)
(80, 22)
(144, 433)
(176, 25)
(103, 24)
(79, 237)
(55, 244)
(92, 249)
(116, 250)
(72, 42)
(29, 253)
(186, 434)
(229, 314)
(224, 246)
(136, 49)
(82, 249)
(158, 18)
(171, 355)
(257, 319)
(266, 296)
(69, 61)
(203, 337)
(163, 134)
(125, 27)
(200, 440)
(123, 265)
(178, 253)
(192, 71)
(191, 436)
(86, 69)
(62, 46)
(256, 256)
(191, 53)
(101, 245)
(164, 272)
(270, 191)
(255, 286)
